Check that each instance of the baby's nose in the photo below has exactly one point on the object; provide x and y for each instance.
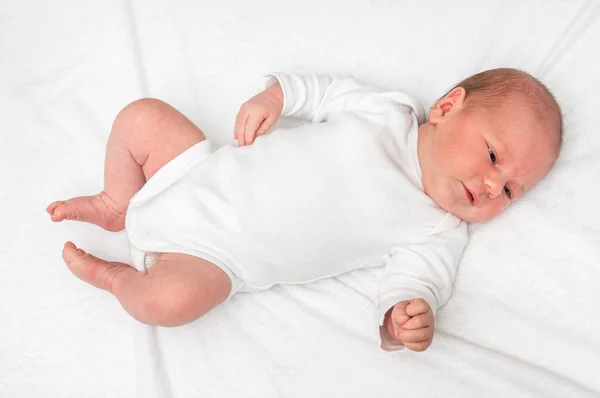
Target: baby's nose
(494, 185)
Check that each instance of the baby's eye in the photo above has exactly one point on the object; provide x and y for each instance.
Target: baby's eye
(507, 192)
(492, 155)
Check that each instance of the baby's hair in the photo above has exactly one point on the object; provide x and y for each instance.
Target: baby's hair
(487, 87)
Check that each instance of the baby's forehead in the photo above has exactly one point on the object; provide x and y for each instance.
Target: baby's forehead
(524, 115)
(527, 137)
(529, 153)
(536, 109)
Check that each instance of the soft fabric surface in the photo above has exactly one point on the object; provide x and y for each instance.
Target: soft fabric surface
(523, 318)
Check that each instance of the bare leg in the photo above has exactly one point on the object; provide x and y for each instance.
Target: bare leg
(178, 288)
(145, 136)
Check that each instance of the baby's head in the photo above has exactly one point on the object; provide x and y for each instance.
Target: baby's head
(487, 141)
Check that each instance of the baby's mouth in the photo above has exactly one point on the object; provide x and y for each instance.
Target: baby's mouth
(468, 194)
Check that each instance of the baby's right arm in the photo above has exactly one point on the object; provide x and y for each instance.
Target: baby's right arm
(258, 114)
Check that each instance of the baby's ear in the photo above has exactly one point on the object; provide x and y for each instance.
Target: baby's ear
(435, 115)
(453, 101)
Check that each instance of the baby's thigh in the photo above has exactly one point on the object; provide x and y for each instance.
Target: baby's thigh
(186, 287)
(158, 133)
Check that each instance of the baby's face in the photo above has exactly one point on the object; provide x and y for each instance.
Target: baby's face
(477, 161)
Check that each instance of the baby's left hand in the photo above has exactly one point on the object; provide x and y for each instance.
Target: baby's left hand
(411, 323)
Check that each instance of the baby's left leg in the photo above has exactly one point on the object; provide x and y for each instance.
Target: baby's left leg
(177, 289)
(146, 135)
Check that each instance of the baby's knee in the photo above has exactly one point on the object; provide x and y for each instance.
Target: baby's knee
(138, 112)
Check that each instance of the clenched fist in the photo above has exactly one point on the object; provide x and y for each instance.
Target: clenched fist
(411, 323)
(258, 114)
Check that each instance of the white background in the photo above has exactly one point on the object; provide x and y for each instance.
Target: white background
(523, 320)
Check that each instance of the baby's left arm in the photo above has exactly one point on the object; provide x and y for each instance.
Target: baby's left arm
(411, 324)
(417, 282)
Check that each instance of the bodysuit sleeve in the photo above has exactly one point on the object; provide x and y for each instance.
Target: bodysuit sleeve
(425, 269)
(318, 97)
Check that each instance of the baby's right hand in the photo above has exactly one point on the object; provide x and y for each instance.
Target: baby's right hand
(258, 114)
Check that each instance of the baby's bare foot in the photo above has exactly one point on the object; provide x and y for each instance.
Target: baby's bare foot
(91, 269)
(98, 209)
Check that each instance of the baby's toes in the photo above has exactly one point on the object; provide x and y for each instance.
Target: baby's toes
(71, 253)
(50, 209)
(60, 210)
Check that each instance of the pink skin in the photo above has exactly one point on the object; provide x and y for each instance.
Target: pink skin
(97, 209)
(411, 323)
(258, 114)
(459, 174)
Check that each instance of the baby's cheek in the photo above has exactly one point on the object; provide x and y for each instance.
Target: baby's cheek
(459, 162)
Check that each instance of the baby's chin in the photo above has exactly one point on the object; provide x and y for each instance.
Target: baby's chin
(467, 212)
(472, 215)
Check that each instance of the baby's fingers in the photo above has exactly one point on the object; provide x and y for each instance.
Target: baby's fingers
(417, 306)
(252, 125)
(266, 125)
(419, 321)
(416, 335)
(398, 315)
(240, 126)
(421, 346)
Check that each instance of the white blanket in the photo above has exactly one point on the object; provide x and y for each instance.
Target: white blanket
(523, 320)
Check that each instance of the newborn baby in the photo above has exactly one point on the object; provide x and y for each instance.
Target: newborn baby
(371, 181)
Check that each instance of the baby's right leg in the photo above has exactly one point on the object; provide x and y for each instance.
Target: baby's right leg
(145, 136)
(177, 289)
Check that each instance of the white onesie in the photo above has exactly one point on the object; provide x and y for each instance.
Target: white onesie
(300, 204)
